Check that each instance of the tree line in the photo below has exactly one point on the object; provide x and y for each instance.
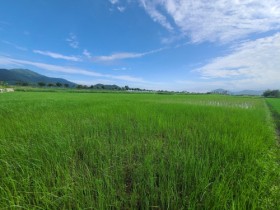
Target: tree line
(95, 87)
(272, 93)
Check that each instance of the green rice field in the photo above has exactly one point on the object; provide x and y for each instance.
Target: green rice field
(137, 151)
(275, 103)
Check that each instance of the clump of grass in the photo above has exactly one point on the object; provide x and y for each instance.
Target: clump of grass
(136, 151)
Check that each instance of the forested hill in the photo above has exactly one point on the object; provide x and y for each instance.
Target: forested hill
(17, 76)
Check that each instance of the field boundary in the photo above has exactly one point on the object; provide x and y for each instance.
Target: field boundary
(276, 119)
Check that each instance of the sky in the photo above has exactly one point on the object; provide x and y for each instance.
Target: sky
(179, 45)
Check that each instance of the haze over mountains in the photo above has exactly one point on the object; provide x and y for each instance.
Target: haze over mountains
(14, 76)
(243, 92)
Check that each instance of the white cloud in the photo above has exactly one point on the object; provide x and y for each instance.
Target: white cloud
(128, 78)
(218, 20)
(94, 81)
(114, 1)
(252, 64)
(116, 5)
(151, 8)
(69, 70)
(200, 86)
(121, 9)
(123, 55)
(117, 56)
(73, 41)
(15, 45)
(120, 69)
(57, 55)
(87, 53)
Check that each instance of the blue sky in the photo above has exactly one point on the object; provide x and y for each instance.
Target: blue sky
(186, 45)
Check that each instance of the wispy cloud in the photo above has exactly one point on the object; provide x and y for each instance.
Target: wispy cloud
(73, 41)
(252, 64)
(123, 55)
(219, 20)
(87, 53)
(68, 70)
(57, 55)
(94, 81)
(15, 45)
(114, 1)
(151, 7)
(129, 78)
(121, 8)
(116, 4)
(120, 69)
(201, 86)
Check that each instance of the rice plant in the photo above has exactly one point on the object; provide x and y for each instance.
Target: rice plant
(136, 151)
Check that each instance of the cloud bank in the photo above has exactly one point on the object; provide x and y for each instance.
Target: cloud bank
(252, 64)
(68, 70)
(217, 20)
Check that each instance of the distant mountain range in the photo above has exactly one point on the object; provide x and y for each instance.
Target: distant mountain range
(243, 92)
(20, 76)
(14, 76)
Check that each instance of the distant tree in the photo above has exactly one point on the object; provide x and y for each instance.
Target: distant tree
(126, 87)
(50, 85)
(66, 85)
(58, 84)
(2, 83)
(266, 93)
(41, 84)
(79, 86)
(272, 93)
(25, 84)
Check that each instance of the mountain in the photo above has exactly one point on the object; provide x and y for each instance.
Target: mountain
(13, 76)
(107, 87)
(239, 93)
(249, 92)
(220, 91)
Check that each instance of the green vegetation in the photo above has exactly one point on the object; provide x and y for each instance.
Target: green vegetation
(3, 84)
(26, 77)
(274, 104)
(272, 93)
(136, 151)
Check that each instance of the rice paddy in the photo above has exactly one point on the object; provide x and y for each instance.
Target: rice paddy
(137, 151)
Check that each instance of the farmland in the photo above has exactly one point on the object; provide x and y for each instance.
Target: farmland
(274, 104)
(137, 151)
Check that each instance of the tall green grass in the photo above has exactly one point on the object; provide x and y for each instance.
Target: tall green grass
(136, 151)
(274, 103)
